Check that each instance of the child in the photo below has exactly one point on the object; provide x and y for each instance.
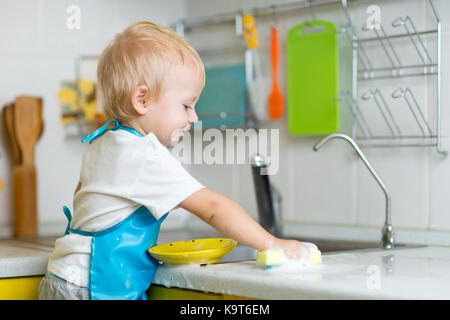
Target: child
(149, 80)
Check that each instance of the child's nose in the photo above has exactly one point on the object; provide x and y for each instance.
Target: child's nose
(193, 116)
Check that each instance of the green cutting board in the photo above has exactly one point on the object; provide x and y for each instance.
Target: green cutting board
(312, 78)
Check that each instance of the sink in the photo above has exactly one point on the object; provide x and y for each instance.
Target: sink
(243, 253)
(326, 246)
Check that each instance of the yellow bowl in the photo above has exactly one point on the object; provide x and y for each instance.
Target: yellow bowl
(197, 251)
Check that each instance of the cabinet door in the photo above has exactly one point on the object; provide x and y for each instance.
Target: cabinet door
(162, 293)
(25, 288)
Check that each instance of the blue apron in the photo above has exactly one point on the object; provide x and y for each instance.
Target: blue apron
(120, 265)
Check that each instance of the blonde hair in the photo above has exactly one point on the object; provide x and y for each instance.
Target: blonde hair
(140, 55)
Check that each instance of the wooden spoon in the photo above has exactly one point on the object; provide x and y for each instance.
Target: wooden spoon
(28, 125)
(25, 201)
(8, 123)
(275, 101)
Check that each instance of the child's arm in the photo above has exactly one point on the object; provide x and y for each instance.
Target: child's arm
(227, 217)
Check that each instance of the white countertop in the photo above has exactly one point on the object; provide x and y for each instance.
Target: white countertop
(23, 259)
(415, 273)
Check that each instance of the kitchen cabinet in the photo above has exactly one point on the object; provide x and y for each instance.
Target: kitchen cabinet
(21, 288)
(157, 292)
(27, 288)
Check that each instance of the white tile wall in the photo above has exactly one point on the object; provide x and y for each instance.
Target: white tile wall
(405, 175)
(439, 179)
(325, 183)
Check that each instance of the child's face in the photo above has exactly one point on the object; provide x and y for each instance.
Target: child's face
(174, 112)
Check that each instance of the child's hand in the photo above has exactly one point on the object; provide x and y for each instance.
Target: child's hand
(227, 217)
(294, 249)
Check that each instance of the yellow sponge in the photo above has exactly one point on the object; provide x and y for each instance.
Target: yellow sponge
(270, 258)
(275, 257)
(316, 257)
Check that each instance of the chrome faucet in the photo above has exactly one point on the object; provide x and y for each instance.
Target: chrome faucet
(387, 239)
(268, 198)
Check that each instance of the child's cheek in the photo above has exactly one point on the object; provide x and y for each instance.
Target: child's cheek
(175, 137)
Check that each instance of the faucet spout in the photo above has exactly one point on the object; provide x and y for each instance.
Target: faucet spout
(268, 198)
(387, 239)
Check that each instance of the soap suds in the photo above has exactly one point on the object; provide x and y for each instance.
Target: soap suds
(301, 264)
(306, 250)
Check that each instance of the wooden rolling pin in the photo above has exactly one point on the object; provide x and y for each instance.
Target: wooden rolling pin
(25, 201)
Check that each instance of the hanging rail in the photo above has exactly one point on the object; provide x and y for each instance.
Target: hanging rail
(185, 25)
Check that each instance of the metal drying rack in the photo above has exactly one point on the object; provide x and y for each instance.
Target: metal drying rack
(397, 69)
(363, 70)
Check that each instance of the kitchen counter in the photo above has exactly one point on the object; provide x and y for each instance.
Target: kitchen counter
(404, 273)
(29, 257)
(413, 273)
(23, 258)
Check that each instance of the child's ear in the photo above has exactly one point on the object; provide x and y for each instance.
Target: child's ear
(140, 99)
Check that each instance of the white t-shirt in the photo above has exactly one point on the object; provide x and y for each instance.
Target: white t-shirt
(120, 172)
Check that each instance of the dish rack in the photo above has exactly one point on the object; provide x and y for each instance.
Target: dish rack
(363, 70)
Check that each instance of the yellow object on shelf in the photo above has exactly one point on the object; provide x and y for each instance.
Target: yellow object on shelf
(197, 251)
(74, 107)
(250, 32)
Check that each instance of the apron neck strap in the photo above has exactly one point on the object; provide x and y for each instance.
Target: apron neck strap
(107, 126)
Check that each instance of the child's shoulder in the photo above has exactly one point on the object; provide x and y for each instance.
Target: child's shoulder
(119, 142)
